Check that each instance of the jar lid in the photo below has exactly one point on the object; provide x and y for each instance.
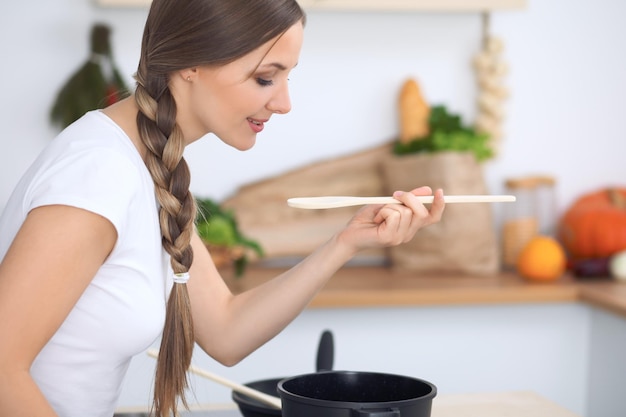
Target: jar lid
(530, 182)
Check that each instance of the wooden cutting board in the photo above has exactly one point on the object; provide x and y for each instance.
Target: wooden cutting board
(263, 214)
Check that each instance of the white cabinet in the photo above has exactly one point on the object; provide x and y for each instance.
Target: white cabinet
(461, 349)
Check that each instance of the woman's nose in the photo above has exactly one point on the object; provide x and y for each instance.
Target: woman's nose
(280, 103)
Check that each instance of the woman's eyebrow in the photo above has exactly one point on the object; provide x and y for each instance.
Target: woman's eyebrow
(276, 65)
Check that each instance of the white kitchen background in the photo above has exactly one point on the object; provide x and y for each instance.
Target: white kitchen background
(565, 118)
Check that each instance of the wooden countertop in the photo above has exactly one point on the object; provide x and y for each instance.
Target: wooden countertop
(510, 404)
(373, 286)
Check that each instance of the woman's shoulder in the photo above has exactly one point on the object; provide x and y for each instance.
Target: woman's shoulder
(93, 146)
(95, 132)
(91, 156)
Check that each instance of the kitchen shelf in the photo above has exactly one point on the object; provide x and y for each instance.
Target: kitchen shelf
(385, 287)
(376, 5)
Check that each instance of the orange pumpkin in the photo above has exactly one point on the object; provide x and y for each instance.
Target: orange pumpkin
(595, 225)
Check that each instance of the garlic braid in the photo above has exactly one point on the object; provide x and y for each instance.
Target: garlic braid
(490, 72)
(163, 138)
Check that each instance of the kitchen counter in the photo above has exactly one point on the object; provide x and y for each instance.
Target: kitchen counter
(510, 404)
(374, 286)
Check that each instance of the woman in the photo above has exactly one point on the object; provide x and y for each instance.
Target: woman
(90, 259)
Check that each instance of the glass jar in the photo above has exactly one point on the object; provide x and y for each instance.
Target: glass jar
(533, 213)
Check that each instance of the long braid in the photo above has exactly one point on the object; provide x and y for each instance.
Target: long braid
(182, 34)
(163, 138)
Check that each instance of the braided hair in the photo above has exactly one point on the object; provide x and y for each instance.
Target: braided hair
(182, 34)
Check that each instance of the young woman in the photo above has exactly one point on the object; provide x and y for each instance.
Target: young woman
(97, 245)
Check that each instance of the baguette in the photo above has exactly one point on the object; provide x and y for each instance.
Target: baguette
(414, 113)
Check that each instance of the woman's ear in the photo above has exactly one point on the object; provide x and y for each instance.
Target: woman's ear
(188, 74)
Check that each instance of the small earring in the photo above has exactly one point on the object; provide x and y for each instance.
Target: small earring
(188, 78)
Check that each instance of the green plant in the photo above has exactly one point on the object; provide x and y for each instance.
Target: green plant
(447, 133)
(97, 83)
(218, 228)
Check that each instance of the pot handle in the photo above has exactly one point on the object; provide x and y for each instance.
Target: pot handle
(389, 412)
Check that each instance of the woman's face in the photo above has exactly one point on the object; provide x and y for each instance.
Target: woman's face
(235, 101)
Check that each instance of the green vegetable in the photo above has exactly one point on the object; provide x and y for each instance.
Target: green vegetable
(217, 226)
(218, 231)
(447, 133)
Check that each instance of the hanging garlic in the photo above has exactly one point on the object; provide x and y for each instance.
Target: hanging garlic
(490, 72)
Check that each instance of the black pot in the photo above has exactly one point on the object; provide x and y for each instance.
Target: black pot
(250, 407)
(351, 394)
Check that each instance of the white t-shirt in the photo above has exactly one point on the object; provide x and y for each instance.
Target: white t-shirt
(93, 165)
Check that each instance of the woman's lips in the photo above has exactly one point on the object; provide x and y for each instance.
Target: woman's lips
(256, 125)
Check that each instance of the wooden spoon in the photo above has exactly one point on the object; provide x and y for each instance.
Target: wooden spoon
(270, 400)
(328, 202)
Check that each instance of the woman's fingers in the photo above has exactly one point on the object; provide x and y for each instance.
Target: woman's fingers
(425, 215)
(394, 224)
(407, 218)
(438, 206)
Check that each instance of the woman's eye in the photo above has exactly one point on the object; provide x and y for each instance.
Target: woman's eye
(263, 82)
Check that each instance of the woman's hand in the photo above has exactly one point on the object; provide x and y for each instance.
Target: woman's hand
(392, 224)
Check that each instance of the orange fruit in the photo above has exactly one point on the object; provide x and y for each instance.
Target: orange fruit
(542, 259)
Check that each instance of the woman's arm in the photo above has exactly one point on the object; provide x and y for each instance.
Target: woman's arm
(51, 261)
(230, 327)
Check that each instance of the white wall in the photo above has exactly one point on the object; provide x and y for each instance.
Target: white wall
(565, 116)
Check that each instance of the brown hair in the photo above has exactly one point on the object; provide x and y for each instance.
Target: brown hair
(182, 34)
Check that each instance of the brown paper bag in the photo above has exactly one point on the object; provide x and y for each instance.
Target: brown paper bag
(465, 240)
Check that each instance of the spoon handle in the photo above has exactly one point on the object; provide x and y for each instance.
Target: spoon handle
(242, 389)
(327, 202)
